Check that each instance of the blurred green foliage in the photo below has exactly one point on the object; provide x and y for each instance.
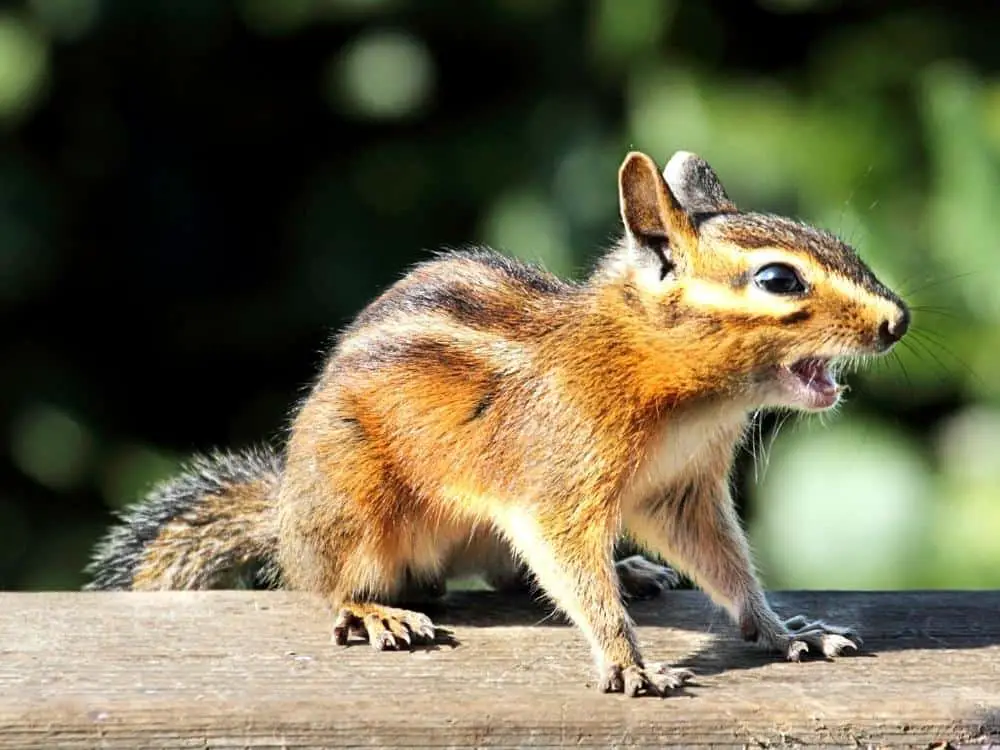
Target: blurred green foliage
(194, 195)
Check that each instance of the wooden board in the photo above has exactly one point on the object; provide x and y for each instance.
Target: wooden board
(248, 669)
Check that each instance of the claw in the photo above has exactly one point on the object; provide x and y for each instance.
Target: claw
(614, 681)
(345, 622)
(796, 649)
(666, 678)
(635, 680)
(830, 640)
(386, 628)
(834, 644)
(657, 680)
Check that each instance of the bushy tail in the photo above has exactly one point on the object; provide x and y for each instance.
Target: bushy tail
(213, 526)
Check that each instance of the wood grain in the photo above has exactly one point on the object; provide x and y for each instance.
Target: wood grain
(249, 669)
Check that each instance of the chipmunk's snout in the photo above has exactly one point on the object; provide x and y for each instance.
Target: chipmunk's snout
(892, 330)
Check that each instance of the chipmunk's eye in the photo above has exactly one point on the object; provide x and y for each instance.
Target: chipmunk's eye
(777, 278)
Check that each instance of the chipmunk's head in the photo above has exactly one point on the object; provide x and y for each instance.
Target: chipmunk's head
(777, 304)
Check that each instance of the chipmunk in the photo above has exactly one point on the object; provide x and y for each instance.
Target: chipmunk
(482, 414)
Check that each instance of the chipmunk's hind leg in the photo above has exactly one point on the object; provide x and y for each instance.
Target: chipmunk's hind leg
(639, 576)
(371, 612)
(380, 581)
(373, 606)
(362, 576)
(644, 579)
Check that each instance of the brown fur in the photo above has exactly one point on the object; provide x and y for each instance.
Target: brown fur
(489, 401)
(482, 414)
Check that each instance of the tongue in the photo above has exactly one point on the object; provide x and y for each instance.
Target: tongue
(813, 373)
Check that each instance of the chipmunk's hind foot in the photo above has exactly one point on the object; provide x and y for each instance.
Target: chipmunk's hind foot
(643, 579)
(654, 679)
(386, 628)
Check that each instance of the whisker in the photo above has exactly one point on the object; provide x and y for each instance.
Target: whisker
(931, 337)
(774, 433)
(908, 345)
(902, 367)
(752, 442)
(759, 458)
(943, 311)
(925, 347)
(936, 282)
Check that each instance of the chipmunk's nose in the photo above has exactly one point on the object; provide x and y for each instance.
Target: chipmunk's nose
(891, 331)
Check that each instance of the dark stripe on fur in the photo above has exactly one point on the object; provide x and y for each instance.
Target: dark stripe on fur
(751, 231)
(798, 316)
(418, 352)
(460, 292)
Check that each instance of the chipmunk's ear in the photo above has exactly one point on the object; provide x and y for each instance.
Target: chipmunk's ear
(652, 215)
(696, 185)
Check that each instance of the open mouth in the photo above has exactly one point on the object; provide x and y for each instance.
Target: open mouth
(809, 383)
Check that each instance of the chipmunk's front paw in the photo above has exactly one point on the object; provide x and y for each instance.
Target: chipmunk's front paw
(642, 579)
(654, 679)
(800, 635)
(815, 635)
(387, 628)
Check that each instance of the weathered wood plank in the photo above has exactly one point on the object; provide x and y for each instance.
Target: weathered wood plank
(247, 669)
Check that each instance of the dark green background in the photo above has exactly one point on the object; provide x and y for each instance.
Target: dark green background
(195, 194)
